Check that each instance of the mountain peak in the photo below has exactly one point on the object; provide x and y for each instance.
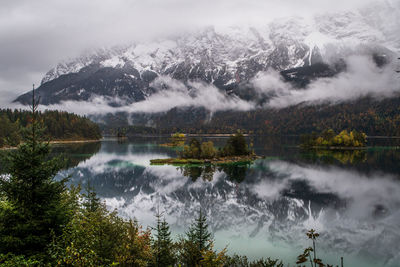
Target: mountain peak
(226, 57)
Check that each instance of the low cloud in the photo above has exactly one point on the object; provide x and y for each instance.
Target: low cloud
(362, 78)
(173, 93)
(170, 94)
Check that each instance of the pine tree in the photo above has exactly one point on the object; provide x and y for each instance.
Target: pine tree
(236, 145)
(198, 240)
(202, 237)
(162, 244)
(33, 204)
(91, 202)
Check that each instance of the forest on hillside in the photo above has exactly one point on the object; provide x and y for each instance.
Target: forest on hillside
(57, 125)
(373, 117)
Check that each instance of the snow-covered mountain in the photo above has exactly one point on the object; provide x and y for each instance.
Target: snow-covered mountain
(225, 57)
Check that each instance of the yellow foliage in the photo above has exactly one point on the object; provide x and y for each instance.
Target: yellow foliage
(207, 150)
(178, 135)
(319, 140)
(213, 259)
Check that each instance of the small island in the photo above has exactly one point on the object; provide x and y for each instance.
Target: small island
(176, 140)
(235, 151)
(328, 139)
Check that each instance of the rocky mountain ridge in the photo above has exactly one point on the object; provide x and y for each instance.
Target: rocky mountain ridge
(224, 57)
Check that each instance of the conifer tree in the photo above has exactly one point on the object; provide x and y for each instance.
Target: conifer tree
(34, 199)
(91, 201)
(202, 237)
(236, 145)
(162, 243)
(198, 239)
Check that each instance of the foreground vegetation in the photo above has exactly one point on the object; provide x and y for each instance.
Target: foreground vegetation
(57, 125)
(329, 139)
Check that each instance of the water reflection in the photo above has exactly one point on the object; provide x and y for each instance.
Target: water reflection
(76, 152)
(72, 153)
(341, 156)
(234, 172)
(262, 209)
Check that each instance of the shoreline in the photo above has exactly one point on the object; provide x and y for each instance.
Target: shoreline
(229, 134)
(187, 135)
(74, 141)
(334, 147)
(218, 135)
(58, 142)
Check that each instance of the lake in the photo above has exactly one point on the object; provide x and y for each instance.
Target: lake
(351, 198)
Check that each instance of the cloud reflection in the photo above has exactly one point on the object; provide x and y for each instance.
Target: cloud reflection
(274, 204)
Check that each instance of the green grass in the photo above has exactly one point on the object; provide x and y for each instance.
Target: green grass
(244, 160)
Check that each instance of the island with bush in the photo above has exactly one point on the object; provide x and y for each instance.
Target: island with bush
(235, 150)
(176, 140)
(328, 139)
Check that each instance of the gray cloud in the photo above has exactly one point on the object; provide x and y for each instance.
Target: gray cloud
(36, 35)
(362, 78)
(171, 94)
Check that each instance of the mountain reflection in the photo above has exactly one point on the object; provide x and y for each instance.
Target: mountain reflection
(266, 205)
(234, 172)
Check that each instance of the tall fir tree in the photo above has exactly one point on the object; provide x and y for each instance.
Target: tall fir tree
(202, 237)
(32, 205)
(198, 240)
(91, 201)
(236, 145)
(162, 244)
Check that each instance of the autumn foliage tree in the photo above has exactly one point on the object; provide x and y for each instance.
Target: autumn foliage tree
(98, 237)
(329, 138)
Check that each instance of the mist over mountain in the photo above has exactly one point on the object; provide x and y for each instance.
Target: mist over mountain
(328, 58)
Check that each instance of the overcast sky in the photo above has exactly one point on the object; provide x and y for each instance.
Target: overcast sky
(36, 35)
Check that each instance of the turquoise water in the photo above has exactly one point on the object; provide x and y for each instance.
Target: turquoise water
(261, 210)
